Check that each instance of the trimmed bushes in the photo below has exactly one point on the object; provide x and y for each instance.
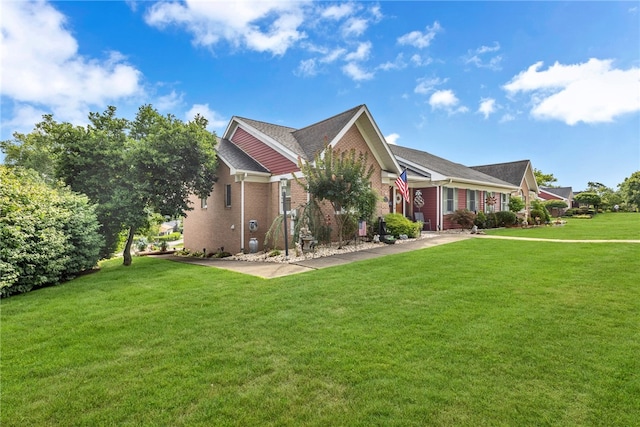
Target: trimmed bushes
(398, 224)
(170, 237)
(505, 219)
(48, 233)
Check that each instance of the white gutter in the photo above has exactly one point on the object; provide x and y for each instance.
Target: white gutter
(242, 212)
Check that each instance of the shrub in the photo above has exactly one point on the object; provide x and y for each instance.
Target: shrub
(516, 204)
(463, 217)
(540, 211)
(505, 218)
(398, 224)
(170, 237)
(559, 204)
(481, 220)
(48, 233)
(537, 216)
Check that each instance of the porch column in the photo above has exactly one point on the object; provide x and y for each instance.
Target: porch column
(439, 197)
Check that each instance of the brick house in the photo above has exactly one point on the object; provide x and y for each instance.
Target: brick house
(257, 161)
(564, 194)
(519, 174)
(439, 187)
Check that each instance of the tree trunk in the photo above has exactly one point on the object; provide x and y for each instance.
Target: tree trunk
(127, 247)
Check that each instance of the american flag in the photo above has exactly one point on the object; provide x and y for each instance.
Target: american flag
(403, 187)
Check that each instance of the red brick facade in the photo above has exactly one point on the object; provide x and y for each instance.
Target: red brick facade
(218, 227)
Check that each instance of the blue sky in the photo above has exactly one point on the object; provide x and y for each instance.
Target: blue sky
(557, 83)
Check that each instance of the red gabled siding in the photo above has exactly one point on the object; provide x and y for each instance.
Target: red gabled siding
(547, 196)
(267, 156)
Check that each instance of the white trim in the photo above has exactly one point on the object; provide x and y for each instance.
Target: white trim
(249, 176)
(370, 143)
(435, 176)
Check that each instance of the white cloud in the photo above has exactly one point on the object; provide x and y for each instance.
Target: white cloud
(590, 92)
(396, 64)
(392, 138)
(487, 107)
(216, 121)
(24, 117)
(419, 61)
(307, 68)
(169, 101)
(355, 27)
(264, 26)
(356, 72)
(419, 39)
(443, 99)
(478, 57)
(446, 100)
(337, 12)
(333, 55)
(507, 118)
(485, 49)
(361, 53)
(42, 70)
(426, 85)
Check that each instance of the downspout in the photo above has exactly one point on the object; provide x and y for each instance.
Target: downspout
(242, 212)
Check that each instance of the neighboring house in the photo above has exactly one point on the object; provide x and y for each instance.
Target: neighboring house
(557, 193)
(257, 161)
(518, 173)
(168, 227)
(439, 187)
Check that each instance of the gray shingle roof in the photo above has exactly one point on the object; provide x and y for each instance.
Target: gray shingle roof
(310, 140)
(315, 137)
(511, 172)
(237, 158)
(443, 166)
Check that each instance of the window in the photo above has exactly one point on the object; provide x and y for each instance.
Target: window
(450, 199)
(472, 200)
(203, 203)
(504, 202)
(490, 202)
(227, 195)
(287, 191)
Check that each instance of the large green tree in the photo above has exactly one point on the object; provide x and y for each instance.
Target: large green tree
(131, 169)
(589, 198)
(630, 190)
(608, 197)
(343, 178)
(544, 179)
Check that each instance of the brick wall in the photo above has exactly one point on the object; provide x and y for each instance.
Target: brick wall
(354, 140)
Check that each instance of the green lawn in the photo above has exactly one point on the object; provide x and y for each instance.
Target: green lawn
(478, 333)
(616, 226)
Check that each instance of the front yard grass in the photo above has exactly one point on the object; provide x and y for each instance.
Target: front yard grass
(605, 226)
(478, 333)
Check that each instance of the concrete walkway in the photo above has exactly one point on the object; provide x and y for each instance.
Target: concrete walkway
(269, 270)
